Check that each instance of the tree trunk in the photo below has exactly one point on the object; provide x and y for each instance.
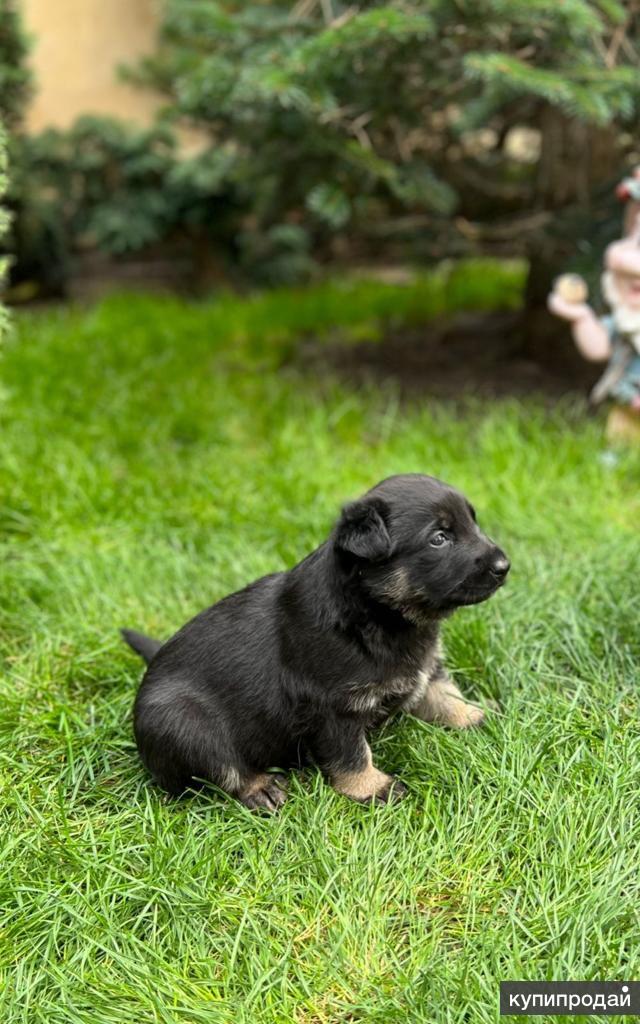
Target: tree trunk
(576, 160)
(210, 269)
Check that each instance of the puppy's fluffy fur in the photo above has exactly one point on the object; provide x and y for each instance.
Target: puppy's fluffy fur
(299, 665)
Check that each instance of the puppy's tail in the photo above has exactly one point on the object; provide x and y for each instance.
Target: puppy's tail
(143, 645)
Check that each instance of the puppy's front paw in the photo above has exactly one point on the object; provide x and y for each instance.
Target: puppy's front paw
(466, 717)
(443, 703)
(370, 785)
(266, 793)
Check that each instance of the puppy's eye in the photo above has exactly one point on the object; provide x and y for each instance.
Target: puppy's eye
(437, 540)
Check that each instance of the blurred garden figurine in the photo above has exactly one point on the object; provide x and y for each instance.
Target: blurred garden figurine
(615, 337)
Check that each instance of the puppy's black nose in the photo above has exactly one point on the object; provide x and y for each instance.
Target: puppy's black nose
(500, 566)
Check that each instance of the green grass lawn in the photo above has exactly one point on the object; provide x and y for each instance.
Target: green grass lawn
(156, 455)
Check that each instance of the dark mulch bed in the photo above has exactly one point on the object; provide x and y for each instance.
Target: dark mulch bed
(469, 354)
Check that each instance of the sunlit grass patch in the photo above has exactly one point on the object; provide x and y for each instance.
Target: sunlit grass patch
(153, 458)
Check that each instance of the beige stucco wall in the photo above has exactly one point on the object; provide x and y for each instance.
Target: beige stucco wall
(77, 46)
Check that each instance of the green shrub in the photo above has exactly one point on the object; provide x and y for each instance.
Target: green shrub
(16, 84)
(345, 118)
(333, 131)
(107, 185)
(4, 224)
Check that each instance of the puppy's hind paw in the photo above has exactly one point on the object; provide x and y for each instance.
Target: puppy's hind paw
(392, 793)
(265, 793)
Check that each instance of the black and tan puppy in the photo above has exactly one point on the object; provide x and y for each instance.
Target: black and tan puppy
(298, 666)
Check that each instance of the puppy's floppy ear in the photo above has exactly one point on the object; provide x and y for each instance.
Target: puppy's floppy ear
(362, 530)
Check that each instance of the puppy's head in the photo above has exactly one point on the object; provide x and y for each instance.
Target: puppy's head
(413, 544)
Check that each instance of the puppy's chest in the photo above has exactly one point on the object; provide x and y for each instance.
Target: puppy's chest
(379, 699)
